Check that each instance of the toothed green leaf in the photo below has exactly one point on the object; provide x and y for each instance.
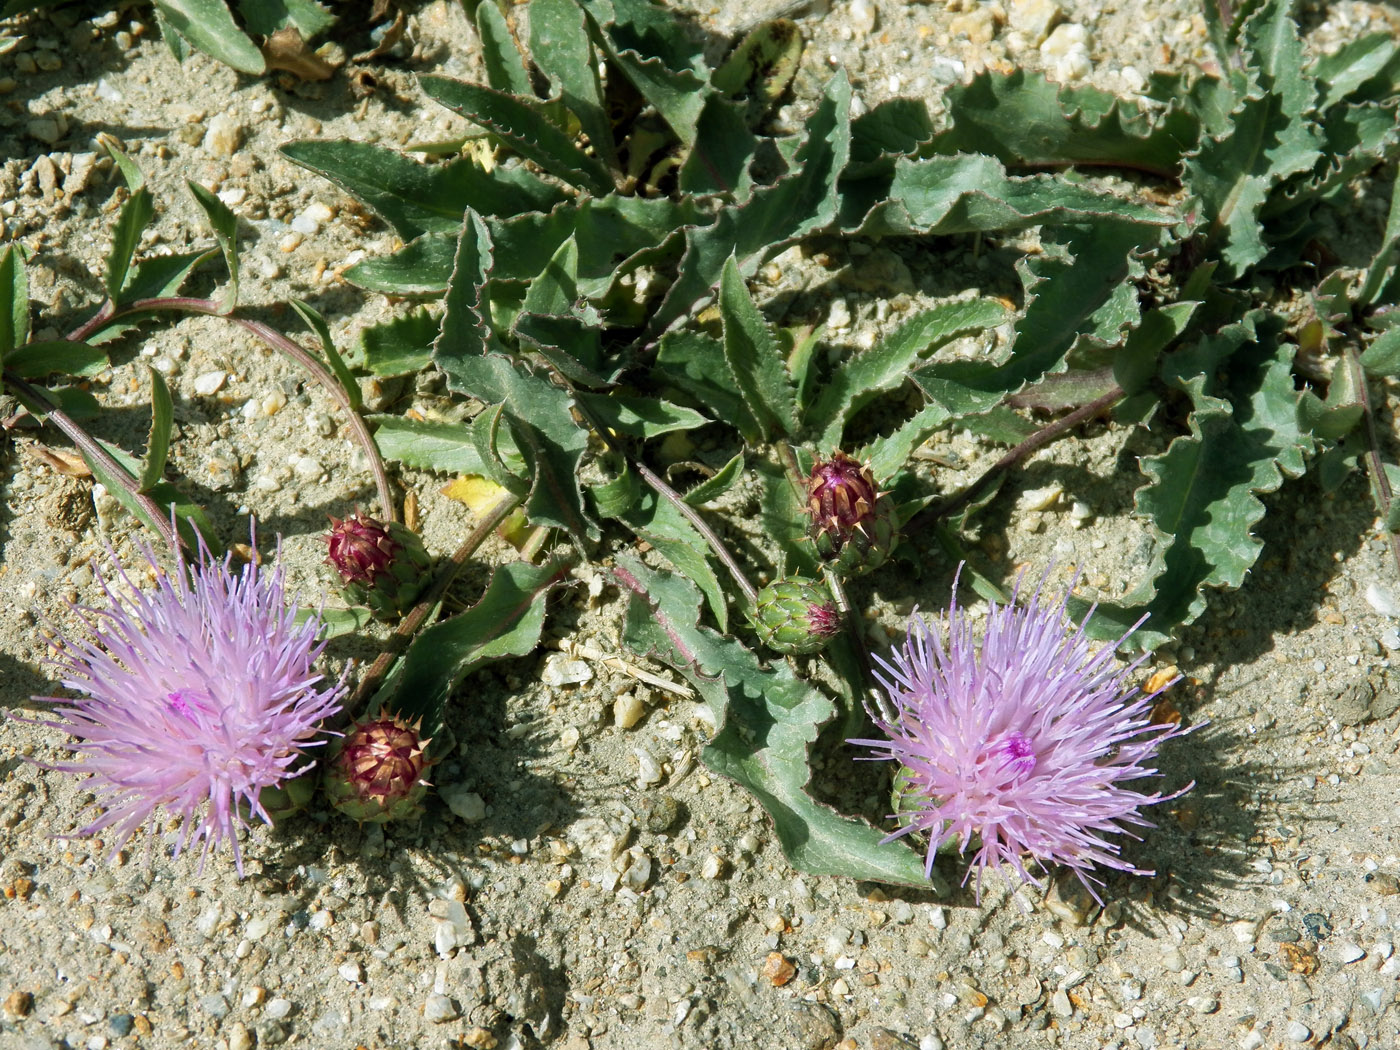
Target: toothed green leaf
(521, 124)
(862, 377)
(1202, 493)
(1024, 120)
(754, 360)
(768, 720)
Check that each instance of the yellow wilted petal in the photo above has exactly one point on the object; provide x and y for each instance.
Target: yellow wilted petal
(480, 496)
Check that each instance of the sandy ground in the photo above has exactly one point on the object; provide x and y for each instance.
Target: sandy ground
(503, 920)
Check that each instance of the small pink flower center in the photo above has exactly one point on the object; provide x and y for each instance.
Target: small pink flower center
(180, 705)
(1014, 754)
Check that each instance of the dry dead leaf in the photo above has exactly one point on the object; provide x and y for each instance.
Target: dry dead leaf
(388, 41)
(285, 49)
(62, 460)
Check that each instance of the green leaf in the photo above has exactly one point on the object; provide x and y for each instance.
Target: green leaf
(887, 454)
(1067, 287)
(1336, 415)
(1381, 266)
(421, 267)
(612, 499)
(158, 442)
(466, 322)
(1024, 120)
(225, 226)
(499, 454)
(660, 524)
(339, 369)
(755, 360)
(136, 213)
(521, 124)
(539, 413)
(419, 198)
(717, 484)
(14, 302)
(776, 215)
(265, 17)
(768, 720)
(724, 149)
(1382, 357)
(445, 447)
(190, 519)
(658, 55)
(337, 622)
(505, 69)
(1202, 495)
(209, 26)
(1272, 136)
(1352, 65)
(548, 319)
(37, 360)
(401, 346)
(163, 275)
(560, 46)
(506, 622)
(760, 69)
(862, 377)
(895, 127)
(639, 417)
(971, 193)
(1135, 365)
(694, 364)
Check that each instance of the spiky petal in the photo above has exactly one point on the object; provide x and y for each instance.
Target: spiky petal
(383, 566)
(196, 696)
(795, 616)
(1017, 741)
(852, 521)
(376, 771)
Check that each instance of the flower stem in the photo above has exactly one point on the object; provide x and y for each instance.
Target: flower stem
(109, 313)
(38, 402)
(701, 526)
(1380, 484)
(1042, 437)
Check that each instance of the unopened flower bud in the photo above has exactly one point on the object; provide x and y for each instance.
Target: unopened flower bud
(382, 566)
(375, 772)
(795, 616)
(853, 524)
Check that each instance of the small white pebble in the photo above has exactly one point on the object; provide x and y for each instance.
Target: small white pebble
(273, 402)
(439, 1009)
(278, 1008)
(1350, 953)
(209, 383)
(712, 867)
(1297, 1032)
(628, 710)
(352, 972)
(1383, 600)
(1252, 1040)
(233, 197)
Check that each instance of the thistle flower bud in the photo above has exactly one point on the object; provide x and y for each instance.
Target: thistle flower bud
(374, 773)
(853, 524)
(795, 616)
(382, 566)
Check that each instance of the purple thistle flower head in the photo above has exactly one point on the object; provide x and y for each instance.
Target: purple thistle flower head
(1019, 743)
(196, 695)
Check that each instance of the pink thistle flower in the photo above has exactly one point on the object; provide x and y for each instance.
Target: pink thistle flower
(1021, 741)
(196, 695)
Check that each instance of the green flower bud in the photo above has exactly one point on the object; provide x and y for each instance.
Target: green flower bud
(853, 523)
(382, 566)
(795, 616)
(375, 772)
